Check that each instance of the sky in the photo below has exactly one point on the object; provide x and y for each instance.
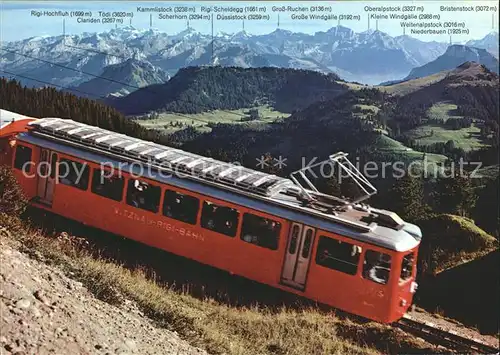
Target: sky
(18, 19)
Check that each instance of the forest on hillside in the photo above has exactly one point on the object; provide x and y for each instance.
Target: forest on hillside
(50, 102)
(199, 89)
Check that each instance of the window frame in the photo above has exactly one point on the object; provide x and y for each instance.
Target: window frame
(254, 215)
(237, 229)
(14, 163)
(293, 245)
(54, 167)
(359, 254)
(61, 158)
(412, 270)
(183, 193)
(92, 186)
(391, 266)
(308, 238)
(154, 186)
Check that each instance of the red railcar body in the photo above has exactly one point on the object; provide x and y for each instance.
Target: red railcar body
(366, 269)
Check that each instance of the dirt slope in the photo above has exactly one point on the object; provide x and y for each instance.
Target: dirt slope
(42, 311)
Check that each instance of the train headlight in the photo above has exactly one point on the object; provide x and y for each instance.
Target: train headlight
(402, 303)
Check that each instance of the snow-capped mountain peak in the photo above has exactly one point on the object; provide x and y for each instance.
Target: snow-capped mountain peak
(488, 42)
(369, 57)
(241, 35)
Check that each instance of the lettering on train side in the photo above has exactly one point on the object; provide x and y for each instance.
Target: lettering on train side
(170, 227)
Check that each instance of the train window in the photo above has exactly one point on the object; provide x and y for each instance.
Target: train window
(337, 255)
(53, 166)
(142, 195)
(181, 207)
(107, 185)
(43, 167)
(407, 267)
(220, 219)
(23, 156)
(377, 266)
(293, 242)
(260, 231)
(307, 244)
(73, 173)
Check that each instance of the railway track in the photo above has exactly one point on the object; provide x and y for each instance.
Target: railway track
(449, 339)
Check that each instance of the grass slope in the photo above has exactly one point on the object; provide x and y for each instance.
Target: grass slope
(409, 86)
(465, 138)
(458, 271)
(475, 283)
(451, 240)
(172, 122)
(395, 148)
(442, 111)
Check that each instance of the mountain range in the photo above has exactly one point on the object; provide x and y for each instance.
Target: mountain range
(122, 79)
(368, 57)
(489, 42)
(454, 56)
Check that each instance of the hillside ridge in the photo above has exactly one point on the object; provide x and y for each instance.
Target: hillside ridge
(121, 79)
(454, 56)
(199, 89)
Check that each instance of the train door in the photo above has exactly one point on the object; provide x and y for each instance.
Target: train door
(298, 255)
(46, 176)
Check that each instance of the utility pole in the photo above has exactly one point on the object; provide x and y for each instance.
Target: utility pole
(213, 56)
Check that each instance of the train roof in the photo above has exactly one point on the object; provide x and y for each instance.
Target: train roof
(237, 184)
(12, 123)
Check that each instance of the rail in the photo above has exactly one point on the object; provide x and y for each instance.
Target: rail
(448, 339)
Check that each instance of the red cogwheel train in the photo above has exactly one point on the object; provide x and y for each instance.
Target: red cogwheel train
(278, 231)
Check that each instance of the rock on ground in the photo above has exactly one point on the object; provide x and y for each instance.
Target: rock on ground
(44, 312)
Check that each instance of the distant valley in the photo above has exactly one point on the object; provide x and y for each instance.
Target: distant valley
(301, 113)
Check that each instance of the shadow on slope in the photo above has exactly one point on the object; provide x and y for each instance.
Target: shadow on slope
(468, 292)
(458, 271)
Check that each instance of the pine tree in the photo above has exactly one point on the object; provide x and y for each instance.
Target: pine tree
(407, 196)
(486, 210)
(455, 194)
(332, 187)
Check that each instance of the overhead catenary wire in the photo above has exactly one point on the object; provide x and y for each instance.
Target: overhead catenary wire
(51, 84)
(69, 68)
